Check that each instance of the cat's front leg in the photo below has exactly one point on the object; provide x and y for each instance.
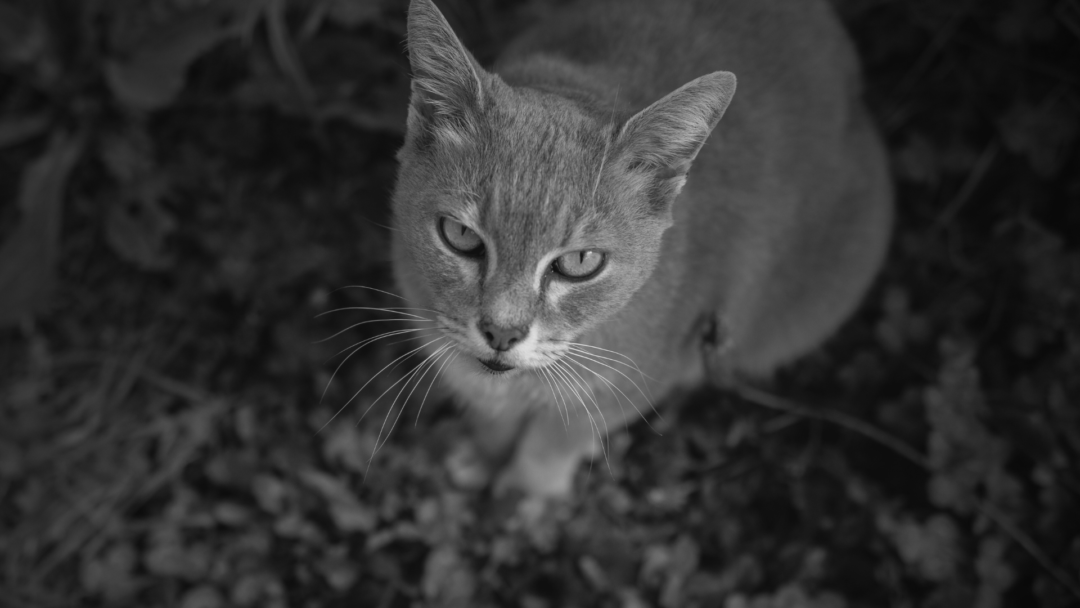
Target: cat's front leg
(493, 432)
(549, 450)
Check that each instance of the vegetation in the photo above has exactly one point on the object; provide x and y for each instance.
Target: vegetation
(186, 186)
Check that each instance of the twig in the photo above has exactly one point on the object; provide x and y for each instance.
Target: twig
(1029, 545)
(174, 387)
(284, 53)
(937, 43)
(986, 160)
(774, 402)
(1068, 12)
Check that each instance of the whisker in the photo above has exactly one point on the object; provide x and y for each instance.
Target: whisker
(607, 145)
(591, 395)
(382, 291)
(360, 345)
(430, 361)
(591, 357)
(356, 348)
(614, 387)
(387, 334)
(559, 368)
(357, 393)
(557, 371)
(441, 330)
(397, 310)
(572, 356)
(355, 325)
(379, 441)
(574, 377)
(560, 384)
(404, 378)
(462, 191)
(564, 414)
(543, 374)
(611, 386)
(446, 361)
(437, 355)
(558, 396)
(592, 421)
(424, 365)
(632, 363)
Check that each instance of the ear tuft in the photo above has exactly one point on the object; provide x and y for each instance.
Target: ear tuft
(446, 87)
(664, 138)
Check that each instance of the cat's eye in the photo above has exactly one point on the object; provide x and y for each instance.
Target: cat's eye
(460, 237)
(579, 264)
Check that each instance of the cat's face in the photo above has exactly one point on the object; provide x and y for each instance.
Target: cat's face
(516, 236)
(523, 219)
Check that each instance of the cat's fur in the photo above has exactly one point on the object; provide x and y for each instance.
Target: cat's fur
(581, 139)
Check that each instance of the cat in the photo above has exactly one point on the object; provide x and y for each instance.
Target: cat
(566, 260)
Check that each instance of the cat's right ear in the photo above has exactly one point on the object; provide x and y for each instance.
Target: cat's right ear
(447, 89)
(661, 141)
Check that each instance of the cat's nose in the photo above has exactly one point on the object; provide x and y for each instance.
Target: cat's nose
(499, 337)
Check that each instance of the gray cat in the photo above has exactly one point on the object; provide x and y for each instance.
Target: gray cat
(547, 222)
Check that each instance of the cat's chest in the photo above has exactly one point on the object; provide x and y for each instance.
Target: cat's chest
(519, 388)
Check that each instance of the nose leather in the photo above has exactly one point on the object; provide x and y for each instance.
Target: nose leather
(499, 337)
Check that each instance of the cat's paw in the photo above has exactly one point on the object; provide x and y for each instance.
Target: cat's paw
(467, 467)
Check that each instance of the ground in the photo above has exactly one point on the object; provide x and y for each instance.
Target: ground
(186, 188)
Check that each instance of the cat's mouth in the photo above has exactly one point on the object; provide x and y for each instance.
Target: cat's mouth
(495, 366)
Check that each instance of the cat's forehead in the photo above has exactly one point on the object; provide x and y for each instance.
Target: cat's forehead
(541, 165)
(541, 120)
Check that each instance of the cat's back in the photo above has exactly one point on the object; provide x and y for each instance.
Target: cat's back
(646, 48)
(788, 206)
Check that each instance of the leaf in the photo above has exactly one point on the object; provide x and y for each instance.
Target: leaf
(270, 492)
(1043, 133)
(128, 153)
(918, 160)
(931, 549)
(203, 596)
(137, 233)
(685, 554)
(340, 573)
(111, 574)
(151, 74)
(348, 513)
(791, 595)
(964, 455)
(24, 37)
(17, 129)
(448, 578)
(256, 589)
(137, 224)
(351, 13)
(174, 560)
(29, 256)
(347, 447)
(995, 575)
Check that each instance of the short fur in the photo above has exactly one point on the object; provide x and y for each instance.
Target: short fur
(582, 139)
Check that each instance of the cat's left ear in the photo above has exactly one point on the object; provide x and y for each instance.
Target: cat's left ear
(447, 88)
(662, 140)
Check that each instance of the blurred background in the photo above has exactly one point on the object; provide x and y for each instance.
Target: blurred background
(186, 185)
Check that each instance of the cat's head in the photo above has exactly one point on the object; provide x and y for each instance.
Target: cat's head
(522, 218)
